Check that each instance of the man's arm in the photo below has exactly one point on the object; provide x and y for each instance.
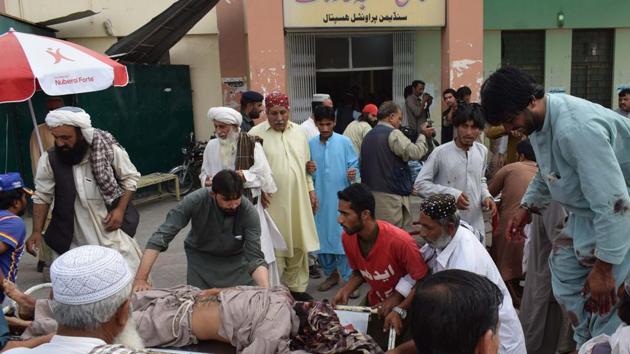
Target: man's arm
(402, 147)
(495, 131)
(537, 194)
(42, 198)
(342, 296)
(128, 176)
(605, 191)
(176, 219)
(408, 347)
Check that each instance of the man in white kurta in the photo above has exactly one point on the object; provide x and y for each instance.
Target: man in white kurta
(293, 205)
(450, 246)
(93, 223)
(309, 127)
(221, 153)
(458, 168)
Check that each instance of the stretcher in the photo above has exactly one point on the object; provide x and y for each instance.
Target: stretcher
(357, 316)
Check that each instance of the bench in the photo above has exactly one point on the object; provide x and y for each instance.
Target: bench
(158, 178)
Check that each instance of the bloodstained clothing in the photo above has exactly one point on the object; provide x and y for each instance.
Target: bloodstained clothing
(393, 255)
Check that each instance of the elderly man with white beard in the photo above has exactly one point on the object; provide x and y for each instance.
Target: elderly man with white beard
(233, 149)
(91, 304)
(450, 245)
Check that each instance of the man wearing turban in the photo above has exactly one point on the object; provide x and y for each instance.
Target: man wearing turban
(452, 245)
(235, 150)
(91, 181)
(295, 202)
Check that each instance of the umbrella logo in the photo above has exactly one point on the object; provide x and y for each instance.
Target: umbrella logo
(57, 55)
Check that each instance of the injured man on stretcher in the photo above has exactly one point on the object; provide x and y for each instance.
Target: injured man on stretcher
(252, 319)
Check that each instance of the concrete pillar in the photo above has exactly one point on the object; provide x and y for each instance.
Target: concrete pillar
(462, 45)
(232, 41)
(265, 44)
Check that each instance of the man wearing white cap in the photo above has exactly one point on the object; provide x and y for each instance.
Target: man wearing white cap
(309, 127)
(91, 181)
(235, 150)
(91, 293)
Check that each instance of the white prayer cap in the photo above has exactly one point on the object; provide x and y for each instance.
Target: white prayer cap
(87, 274)
(320, 97)
(225, 115)
(73, 116)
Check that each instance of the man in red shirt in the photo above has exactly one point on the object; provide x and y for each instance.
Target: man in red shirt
(379, 253)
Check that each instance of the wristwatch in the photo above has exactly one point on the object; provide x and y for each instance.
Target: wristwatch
(400, 311)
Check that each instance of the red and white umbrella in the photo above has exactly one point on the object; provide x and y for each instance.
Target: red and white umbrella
(56, 66)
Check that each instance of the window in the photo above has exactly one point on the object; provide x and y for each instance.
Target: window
(591, 65)
(524, 50)
(367, 52)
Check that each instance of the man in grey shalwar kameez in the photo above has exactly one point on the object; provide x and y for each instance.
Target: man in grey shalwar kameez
(223, 245)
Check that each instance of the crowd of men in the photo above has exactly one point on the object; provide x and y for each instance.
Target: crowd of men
(276, 195)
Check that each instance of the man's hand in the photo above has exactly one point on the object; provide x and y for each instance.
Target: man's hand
(208, 182)
(265, 199)
(489, 204)
(393, 320)
(428, 132)
(34, 243)
(600, 284)
(314, 201)
(341, 297)
(515, 229)
(241, 174)
(141, 285)
(463, 202)
(386, 306)
(352, 174)
(114, 219)
(311, 167)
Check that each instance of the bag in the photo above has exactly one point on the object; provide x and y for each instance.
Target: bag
(131, 219)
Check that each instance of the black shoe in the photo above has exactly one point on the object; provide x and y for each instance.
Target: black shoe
(313, 272)
(40, 266)
(302, 296)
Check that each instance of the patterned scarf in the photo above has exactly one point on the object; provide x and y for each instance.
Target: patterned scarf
(245, 156)
(101, 159)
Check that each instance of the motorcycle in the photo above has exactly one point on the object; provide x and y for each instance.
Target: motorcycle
(188, 172)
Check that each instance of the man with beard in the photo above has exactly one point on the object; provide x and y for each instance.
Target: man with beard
(458, 168)
(12, 229)
(91, 287)
(295, 202)
(91, 180)
(238, 151)
(582, 154)
(251, 107)
(223, 245)
(624, 103)
(379, 253)
(451, 246)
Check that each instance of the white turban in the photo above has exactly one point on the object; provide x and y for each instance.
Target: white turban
(73, 116)
(225, 115)
(87, 274)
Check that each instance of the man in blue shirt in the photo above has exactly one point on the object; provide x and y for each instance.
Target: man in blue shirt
(337, 167)
(12, 229)
(583, 153)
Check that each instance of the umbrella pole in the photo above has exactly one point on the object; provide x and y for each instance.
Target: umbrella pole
(39, 138)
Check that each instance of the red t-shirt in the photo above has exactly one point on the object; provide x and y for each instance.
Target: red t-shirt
(394, 254)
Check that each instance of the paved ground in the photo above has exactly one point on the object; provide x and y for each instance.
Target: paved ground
(170, 268)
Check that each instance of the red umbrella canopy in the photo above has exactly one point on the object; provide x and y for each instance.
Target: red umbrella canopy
(59, 67)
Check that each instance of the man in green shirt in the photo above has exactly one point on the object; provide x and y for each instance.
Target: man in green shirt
(223, 245)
